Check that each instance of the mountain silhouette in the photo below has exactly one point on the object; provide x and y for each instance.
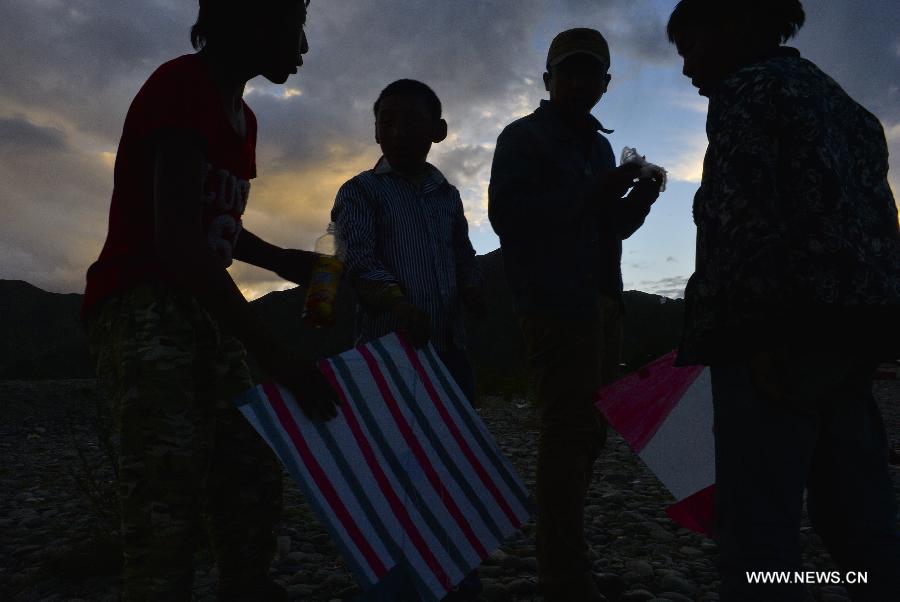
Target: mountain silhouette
(41, 335)
(43, 338)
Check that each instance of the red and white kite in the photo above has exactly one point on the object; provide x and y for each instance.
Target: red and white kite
(665, 414)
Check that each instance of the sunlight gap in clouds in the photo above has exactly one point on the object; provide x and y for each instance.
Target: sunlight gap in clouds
(316, 132)
(687, 165)
(108, 159)
(281, 93)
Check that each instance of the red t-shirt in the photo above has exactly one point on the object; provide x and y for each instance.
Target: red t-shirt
(180, 96)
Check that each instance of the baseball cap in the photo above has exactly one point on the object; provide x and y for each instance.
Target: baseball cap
(581, 40)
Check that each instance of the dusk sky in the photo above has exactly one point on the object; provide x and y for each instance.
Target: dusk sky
(70, 68)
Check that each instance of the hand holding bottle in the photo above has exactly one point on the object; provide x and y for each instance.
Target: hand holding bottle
(321, 295)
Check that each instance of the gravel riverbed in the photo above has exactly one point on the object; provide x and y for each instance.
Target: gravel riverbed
(53, 543)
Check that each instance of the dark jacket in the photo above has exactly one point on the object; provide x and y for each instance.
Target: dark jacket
(797, 233)
(561, 245)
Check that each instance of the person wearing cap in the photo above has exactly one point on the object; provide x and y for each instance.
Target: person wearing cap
(558, 204)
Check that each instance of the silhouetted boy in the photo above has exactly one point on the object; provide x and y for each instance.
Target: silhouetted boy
(795, 296)
(406, 236)
(407, 246)
(169, 328)
(555, 201)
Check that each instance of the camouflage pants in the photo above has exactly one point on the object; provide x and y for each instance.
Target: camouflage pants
(189, 462)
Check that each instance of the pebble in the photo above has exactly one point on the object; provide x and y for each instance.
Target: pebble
(676, 597)
(521, 586)
(638, 553)
(283, 545)
(641, 568)
(677, 584)
(494, 591)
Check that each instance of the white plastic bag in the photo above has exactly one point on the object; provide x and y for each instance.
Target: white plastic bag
(648, 170)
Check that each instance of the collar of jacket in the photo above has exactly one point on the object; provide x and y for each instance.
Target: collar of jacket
(736, 76)
(562, 129)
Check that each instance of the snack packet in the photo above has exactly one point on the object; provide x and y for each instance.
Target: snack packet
(648, 170)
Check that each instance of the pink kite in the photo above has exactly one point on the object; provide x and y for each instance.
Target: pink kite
(665, 414)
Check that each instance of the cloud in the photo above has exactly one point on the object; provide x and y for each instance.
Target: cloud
(856, 43)
(20, 136)
(892, 132)
(70, 68)
(465, 164)
(672, 286)
(691, 101)
(686, 164)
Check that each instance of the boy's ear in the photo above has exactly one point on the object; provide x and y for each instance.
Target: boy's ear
(547, 81)
(440, 131)
(377, 141)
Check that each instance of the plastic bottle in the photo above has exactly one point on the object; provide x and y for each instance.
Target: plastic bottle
(321, 295)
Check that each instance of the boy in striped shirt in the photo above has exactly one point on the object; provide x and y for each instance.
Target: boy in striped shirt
(406, 237)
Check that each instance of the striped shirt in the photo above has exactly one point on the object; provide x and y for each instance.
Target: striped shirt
(415, 237)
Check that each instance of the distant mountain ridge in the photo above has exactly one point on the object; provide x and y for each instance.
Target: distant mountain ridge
(41, 335)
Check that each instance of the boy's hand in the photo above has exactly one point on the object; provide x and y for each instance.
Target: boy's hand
(414, 322)
(644, 193)
(613, 184)
(295, 265)
(473, 301)
(315, 396)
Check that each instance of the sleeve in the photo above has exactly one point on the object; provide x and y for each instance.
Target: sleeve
(628, 216)
(468, 272)
(355, 222)
(520, 201)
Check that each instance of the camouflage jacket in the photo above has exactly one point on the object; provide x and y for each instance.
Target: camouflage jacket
(797, 231)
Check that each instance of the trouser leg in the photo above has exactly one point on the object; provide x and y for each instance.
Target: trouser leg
(145, 363)
(242, 502)
(851, 497)
(243, 485)
(764, 451)
(565, 360)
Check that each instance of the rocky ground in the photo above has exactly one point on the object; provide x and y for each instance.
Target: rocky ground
(54, 542)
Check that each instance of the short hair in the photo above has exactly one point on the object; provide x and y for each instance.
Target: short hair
(411, 87)
(218, 16)
(773, 20)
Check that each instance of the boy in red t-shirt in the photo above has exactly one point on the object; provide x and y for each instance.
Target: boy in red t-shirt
(169, 328)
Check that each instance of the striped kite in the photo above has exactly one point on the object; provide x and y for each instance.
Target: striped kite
(407, 477)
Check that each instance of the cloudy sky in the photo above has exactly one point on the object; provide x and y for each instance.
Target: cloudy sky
(69, 69)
